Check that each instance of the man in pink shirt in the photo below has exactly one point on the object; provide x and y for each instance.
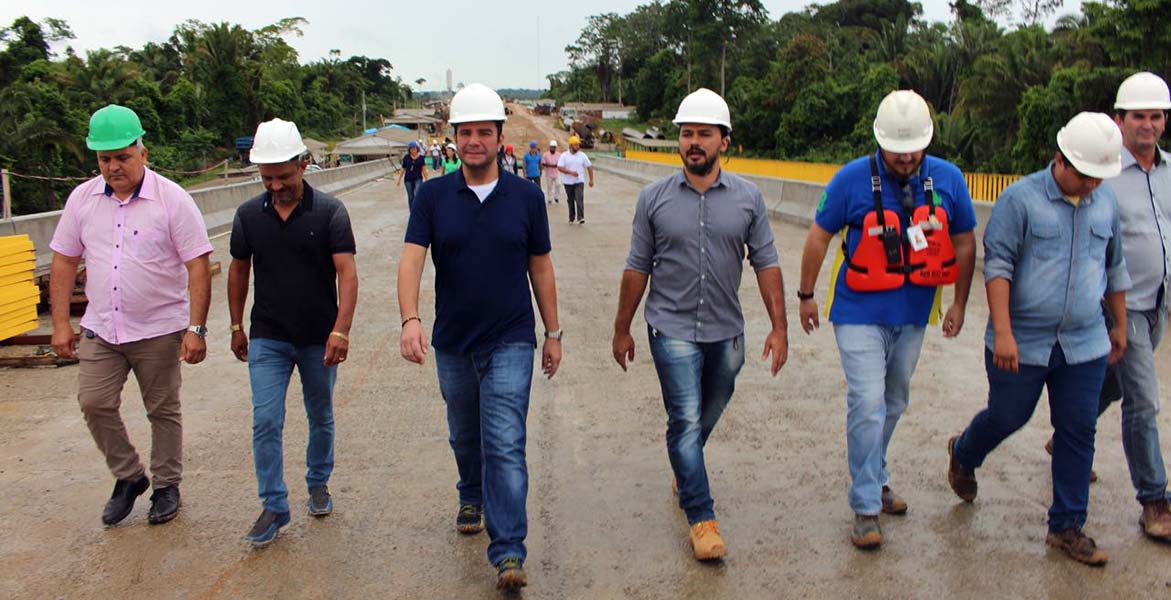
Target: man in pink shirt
(552, 175)
(146, 250)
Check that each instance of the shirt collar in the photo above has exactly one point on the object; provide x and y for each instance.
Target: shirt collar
(1128, 159)
(681, 180)
(142, 191)
(882, 172)
(1053, 191)
(462, 184)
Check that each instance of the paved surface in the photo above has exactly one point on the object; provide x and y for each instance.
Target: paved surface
(602, 518)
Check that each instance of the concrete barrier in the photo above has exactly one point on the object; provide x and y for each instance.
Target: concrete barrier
(218, 204)
(788, 199)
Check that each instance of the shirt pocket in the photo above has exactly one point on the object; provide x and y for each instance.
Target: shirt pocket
(1099, 238)
(150, 245)
(1045, 239)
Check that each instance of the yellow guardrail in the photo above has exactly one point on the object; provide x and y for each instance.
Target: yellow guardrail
(983, 187)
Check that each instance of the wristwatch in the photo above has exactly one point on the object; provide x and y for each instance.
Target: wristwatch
(804, 295)
(553, 335)
(199, 330)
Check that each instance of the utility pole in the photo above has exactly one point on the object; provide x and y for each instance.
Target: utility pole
(363, 112)
(7, 203)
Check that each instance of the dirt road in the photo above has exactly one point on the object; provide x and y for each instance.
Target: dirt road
(602, 518)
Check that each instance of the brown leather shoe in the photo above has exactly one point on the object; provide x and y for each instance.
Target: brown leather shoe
(867, 534)
(1049, 449)
(961, 480)
(1078, 546)
(892, 504)
(706, 541)
(1156, 520)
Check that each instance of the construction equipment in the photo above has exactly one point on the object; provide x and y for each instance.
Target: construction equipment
(18, 294)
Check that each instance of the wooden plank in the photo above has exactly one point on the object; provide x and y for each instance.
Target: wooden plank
(20, 362)
(40, 339)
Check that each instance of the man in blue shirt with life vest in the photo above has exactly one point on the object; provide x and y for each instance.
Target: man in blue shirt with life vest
(886, 285)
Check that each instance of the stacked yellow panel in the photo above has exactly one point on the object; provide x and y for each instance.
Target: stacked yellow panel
(18, 294)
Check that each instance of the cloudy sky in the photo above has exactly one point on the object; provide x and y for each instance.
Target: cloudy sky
(502, 44)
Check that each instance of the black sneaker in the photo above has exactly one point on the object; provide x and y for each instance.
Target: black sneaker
(470, 518)
(320, 502)
(510, 575)
(122, 500)
(164, 504)
(266, 528)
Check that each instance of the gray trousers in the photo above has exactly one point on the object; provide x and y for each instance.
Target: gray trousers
(1135, 381)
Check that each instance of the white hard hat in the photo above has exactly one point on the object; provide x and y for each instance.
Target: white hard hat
(1093, 145)
(704, 106)
(452, 146)
(1143, 91)
(903, 123)
(553, 143)
(276, 141)
(476, 102)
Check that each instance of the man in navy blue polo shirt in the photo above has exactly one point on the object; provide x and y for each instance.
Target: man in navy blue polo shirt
(489, 237)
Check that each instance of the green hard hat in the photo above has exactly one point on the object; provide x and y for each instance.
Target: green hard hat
(113, 128)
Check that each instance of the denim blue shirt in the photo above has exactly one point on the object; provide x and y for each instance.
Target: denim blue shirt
(1060, 260)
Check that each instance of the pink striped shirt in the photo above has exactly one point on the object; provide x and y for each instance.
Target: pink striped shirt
(134, 251)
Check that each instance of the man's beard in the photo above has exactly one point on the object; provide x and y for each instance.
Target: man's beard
(703, 168)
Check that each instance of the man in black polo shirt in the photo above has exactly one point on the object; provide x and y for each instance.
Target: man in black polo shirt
(489, 237)
(300, 242)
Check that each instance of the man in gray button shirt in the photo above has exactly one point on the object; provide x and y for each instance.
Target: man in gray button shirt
(691, 230)
(1144, 203)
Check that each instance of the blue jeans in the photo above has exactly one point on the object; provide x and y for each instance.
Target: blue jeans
(1135, 381)
(878, 361)
(697, 380)
(487, 396)
(270, 364)
(1073, 408)
(412, 185)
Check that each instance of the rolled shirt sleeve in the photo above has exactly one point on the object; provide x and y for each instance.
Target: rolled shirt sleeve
(762, 249)
(67, 235)
(1003, 237)
(188, 231)
(1117, 277)
(642, 238)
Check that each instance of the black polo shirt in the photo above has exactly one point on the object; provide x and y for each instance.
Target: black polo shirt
(295, 282)
(481, 253)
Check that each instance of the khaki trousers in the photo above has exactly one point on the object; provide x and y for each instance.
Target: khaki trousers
(156, 366)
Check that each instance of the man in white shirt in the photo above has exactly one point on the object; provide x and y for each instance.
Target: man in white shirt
(571, 165)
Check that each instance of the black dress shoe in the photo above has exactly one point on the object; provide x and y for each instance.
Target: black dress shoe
(164, 505)
(122, 500)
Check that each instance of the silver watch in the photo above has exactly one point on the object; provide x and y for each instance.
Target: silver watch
(553, 335)
(198, 330)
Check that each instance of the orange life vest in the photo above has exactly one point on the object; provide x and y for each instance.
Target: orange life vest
(877, 263)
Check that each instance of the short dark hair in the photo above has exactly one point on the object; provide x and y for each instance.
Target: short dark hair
(1121, 113)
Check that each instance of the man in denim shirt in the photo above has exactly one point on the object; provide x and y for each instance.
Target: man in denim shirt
(1052, 249)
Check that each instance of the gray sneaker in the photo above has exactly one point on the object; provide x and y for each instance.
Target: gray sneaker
(320, 502)
(867, 535)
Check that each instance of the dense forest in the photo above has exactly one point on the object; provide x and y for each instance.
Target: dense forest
(196, 92)
(806, 86)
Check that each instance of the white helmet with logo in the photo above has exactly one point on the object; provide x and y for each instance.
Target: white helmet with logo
(1093, 145)
(476, 102)
(276, 141)
(903, 123)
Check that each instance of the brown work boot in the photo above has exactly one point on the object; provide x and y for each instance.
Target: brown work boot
(962, 481)
(891, 503)
(706, 541)
(866, 535)
(1078, 546)
(1049, 449)
(1156, 520)
(510, 575)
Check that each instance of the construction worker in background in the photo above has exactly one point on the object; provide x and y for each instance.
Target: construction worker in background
(572, 165)
(510, 163)
(487, 230)
(552, 175)
(694, 321)
(414, 172)
(451, 161)
(300, 242)
(1052, 249)
(532, 160)
(436, 156)
(1143, 189)
(908, 228)
(148, 282)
